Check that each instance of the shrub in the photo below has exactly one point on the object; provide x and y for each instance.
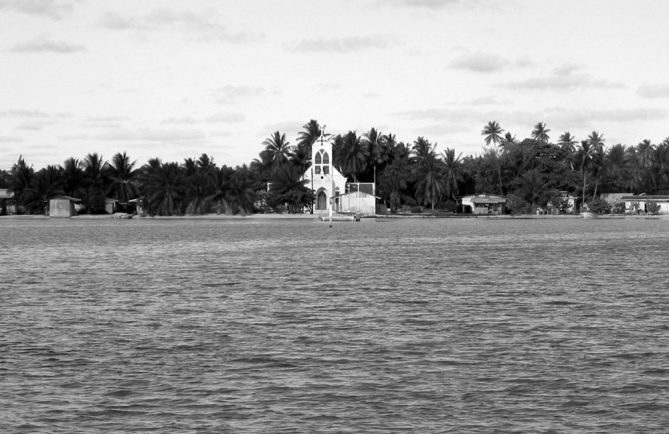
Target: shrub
(599, 206)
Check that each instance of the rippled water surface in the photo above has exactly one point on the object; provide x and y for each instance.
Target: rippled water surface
(420, 325)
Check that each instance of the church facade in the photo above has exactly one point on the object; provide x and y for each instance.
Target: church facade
(331, 191)
(322, 177)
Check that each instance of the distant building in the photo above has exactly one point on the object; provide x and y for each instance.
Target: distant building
(359, 199)
(616, 201)
(62, 206)
(330, 187)
(482, 204)
(5, 196)
(322, 177)
(566, 204)
(638, 204)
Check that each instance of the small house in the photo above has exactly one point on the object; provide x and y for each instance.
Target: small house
(643, 203)
(62, 206)
(482, 204)
(5, 196)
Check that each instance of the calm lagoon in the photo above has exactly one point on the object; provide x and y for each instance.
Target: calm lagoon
(250, 325)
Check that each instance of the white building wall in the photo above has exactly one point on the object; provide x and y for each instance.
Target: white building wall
(358, 203)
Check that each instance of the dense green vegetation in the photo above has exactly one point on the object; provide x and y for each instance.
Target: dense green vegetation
(530, 172)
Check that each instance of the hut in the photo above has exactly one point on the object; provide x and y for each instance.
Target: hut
(482, 204)
(62, 206)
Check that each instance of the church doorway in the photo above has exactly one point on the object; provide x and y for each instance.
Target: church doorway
(321, 201)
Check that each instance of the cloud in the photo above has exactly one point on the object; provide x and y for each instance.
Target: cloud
(230, 94)
(32, 114)
(427, 4)
(151, 135)
(553, 115)
(203, 26)
(218, 118)
(46, 8)
(656, 90)
(585, 117)
(44, 44)
(565, 77)
(479, 62)
(342, 45)
(10, 139)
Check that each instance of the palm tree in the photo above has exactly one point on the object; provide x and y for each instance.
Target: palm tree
(492, 132)
(278, 148)
(353, 156)
(122, 173)
(615, 163)
(21, 175)
(73, 177)
(634, 168)
(540, 132)
(311, 131)
(507, 141)
(586, 153)
(452, 175)
(198, 178)
(288, 189)
(163, 188)
(45, 185)
(96, 181)
(567, 142)
(375, 148)
(430, 185)
(242, 190)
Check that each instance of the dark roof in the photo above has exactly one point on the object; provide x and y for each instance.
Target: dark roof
(646, 197)
(486, 198)
(70, 198)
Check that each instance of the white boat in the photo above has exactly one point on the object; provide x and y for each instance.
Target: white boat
(589, 215)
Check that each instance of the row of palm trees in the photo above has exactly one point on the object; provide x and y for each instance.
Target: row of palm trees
(531, 172)
(165, 188)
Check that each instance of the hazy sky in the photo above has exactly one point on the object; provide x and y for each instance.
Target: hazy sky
(174, 79)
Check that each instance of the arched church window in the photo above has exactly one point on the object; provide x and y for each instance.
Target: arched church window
(318, 158)
(326, 158)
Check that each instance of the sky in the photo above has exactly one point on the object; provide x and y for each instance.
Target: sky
(175, 79)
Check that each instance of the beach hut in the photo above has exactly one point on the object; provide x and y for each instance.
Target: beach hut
(482, 204)
(62, 206)
(5, 196)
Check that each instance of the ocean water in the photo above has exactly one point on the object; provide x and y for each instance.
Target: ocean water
(420, 325)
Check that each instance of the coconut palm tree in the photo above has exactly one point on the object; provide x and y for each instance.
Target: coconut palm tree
(121, 173)
(567, 142)
(21, 175)
(492, 133)
(507, 141)
(375, 142)
(586, 155)
(430, 184)
(452, 167)
(163, 188)
(198, 179)
(540, 132)
(96, 183)
(288, 190)
(45, 185)
(242, 190)
(353, 155)
(278, 148)
(616, 168)
(311, 131)
(73, 177)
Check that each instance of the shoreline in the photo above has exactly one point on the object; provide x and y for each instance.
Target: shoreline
(317, 218)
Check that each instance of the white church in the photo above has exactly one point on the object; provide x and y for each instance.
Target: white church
(330, 187)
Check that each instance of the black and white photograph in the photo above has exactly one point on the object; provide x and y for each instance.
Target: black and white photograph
(334, 216)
